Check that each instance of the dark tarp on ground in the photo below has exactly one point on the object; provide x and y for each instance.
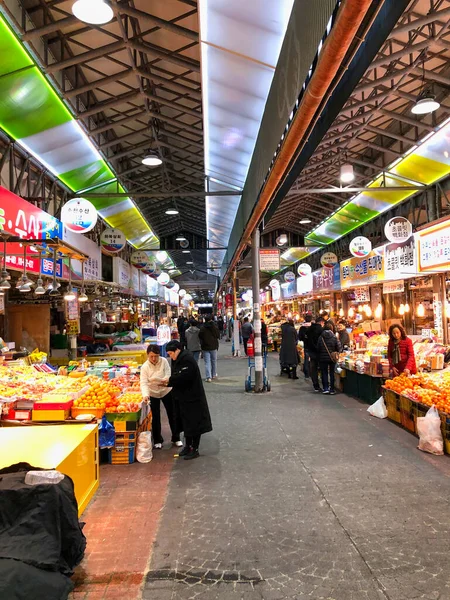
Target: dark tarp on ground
(40, 531)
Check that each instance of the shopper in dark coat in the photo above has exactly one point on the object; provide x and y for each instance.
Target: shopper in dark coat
(328, 343)
(288, 350)
(189, 397)
(312, 339)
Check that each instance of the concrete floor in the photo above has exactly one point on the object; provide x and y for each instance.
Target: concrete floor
(301, 496)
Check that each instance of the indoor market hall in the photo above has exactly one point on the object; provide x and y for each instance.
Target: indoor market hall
(295, 495)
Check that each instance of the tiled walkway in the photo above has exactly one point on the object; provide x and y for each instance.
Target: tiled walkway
(295, 496)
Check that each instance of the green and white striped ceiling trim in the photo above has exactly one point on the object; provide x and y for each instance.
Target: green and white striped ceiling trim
(32, 113)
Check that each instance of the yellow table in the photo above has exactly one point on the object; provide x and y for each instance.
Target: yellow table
(140, 356)
(71, 449)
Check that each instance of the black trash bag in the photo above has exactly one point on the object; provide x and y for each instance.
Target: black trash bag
(20, 581)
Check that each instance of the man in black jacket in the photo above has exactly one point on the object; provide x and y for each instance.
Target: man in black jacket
(209, 340)
(302, 338)
(311, 346)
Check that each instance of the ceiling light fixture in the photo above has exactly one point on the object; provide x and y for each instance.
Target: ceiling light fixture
(172, 211)
(180, 238)
(346, 173)
(4, 283)
(24, 284)
(425, 104)
(70, 294)
(152, 159)
(304, 221)
(40, 290)
(94, 12)
(186, 251)
(189, 262)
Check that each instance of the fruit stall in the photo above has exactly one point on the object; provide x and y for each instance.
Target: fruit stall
(408, 398)
(51, 418)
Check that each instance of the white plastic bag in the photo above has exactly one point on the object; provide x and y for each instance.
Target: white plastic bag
(144, 452)
(378, 409)
(429, 430)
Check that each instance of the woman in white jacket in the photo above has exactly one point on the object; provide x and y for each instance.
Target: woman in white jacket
(153, 371)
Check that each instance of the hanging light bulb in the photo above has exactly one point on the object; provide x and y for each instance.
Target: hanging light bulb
(351, 313)
(368, 311)
(94, 12)
(24, 284)
(426, 103)
(4, 283)
(83, 297)
(360, 308)
(346, 173)
(40, 287)
(70, 294)
(341, 312)
(413, 284)
(407, 308)
(152, 159)
(421, 310)
(379, 311)
(401, 310)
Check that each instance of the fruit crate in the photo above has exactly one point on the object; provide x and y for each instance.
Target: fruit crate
(97, 412)
(407, 414)
(392, 400)
(134, 416)
(125, 449)
(445, 428)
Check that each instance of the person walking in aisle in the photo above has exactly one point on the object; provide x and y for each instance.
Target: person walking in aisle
(247, 331)
(311, 344)
(302, 338)
(288, 350)
(193, 339)
(189, 397)
(156, 369)
(328, 344)
(220, 325)
(209, 340)
(264, 337)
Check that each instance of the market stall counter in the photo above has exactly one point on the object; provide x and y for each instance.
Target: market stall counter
(70, 449)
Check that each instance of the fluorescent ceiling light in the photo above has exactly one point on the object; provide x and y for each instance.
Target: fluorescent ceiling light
(180, 238)
(172, 211)
(152, 160)
(189, 262)
(347, 175)
(304, 221)
(186, 251)
(95, 12)
(425, 105)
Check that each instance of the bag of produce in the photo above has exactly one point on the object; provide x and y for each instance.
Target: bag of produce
(378, 409)
(107, 434)
(144, 452)
(429, 430)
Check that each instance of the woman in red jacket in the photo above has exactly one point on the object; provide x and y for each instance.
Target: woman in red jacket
(400, 352)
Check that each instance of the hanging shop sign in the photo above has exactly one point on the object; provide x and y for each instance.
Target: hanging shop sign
(24, 220)
(150, 267)
(176, 287)
(112, 241)
(288, 290)
(269, 260)
(72, 309)
(134, 279)
(327, 280)
(93, 264)
(182, 293)
(434, 247)
(304, 269)
(357, 271)
(163, 335)
(276, 290)
(398, 229)
(400, 259)
(140, 259)
(305, 284)
(163, 278)
(361, 294)
(438, 315)
(79, 215)
(289, 276)
(328, 260)
(394, 287)
(360, 246)
(228, 300)
(121, 272)
(152, 287)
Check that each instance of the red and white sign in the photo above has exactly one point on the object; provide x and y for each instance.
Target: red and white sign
(22, 219)
(434, 247)
(328, 260)
(398, 229)
(269, 259)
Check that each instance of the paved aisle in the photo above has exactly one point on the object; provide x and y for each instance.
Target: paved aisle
(301, 496)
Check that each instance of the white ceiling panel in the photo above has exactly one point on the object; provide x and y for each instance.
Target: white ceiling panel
(240, 45)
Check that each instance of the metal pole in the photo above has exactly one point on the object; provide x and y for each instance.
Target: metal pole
(236, 347)
(256, 312)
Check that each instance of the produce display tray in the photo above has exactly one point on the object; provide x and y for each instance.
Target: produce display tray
(112, 417)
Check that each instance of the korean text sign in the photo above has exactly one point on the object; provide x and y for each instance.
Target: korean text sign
(361, 271)
(434, 247)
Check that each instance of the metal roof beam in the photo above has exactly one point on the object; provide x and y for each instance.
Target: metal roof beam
(145, 17)
(101, 106)
(50, 28)
(169, 84)
(173, 105)
(86, 56)
(404, 119)
(119, 122)
(94, 85)
(173, 57)
(430, 18)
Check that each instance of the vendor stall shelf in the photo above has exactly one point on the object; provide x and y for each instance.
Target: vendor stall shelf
(70, 449)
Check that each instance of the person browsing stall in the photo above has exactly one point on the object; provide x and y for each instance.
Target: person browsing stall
(153, 371)
(190, 398)
(401, 352)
